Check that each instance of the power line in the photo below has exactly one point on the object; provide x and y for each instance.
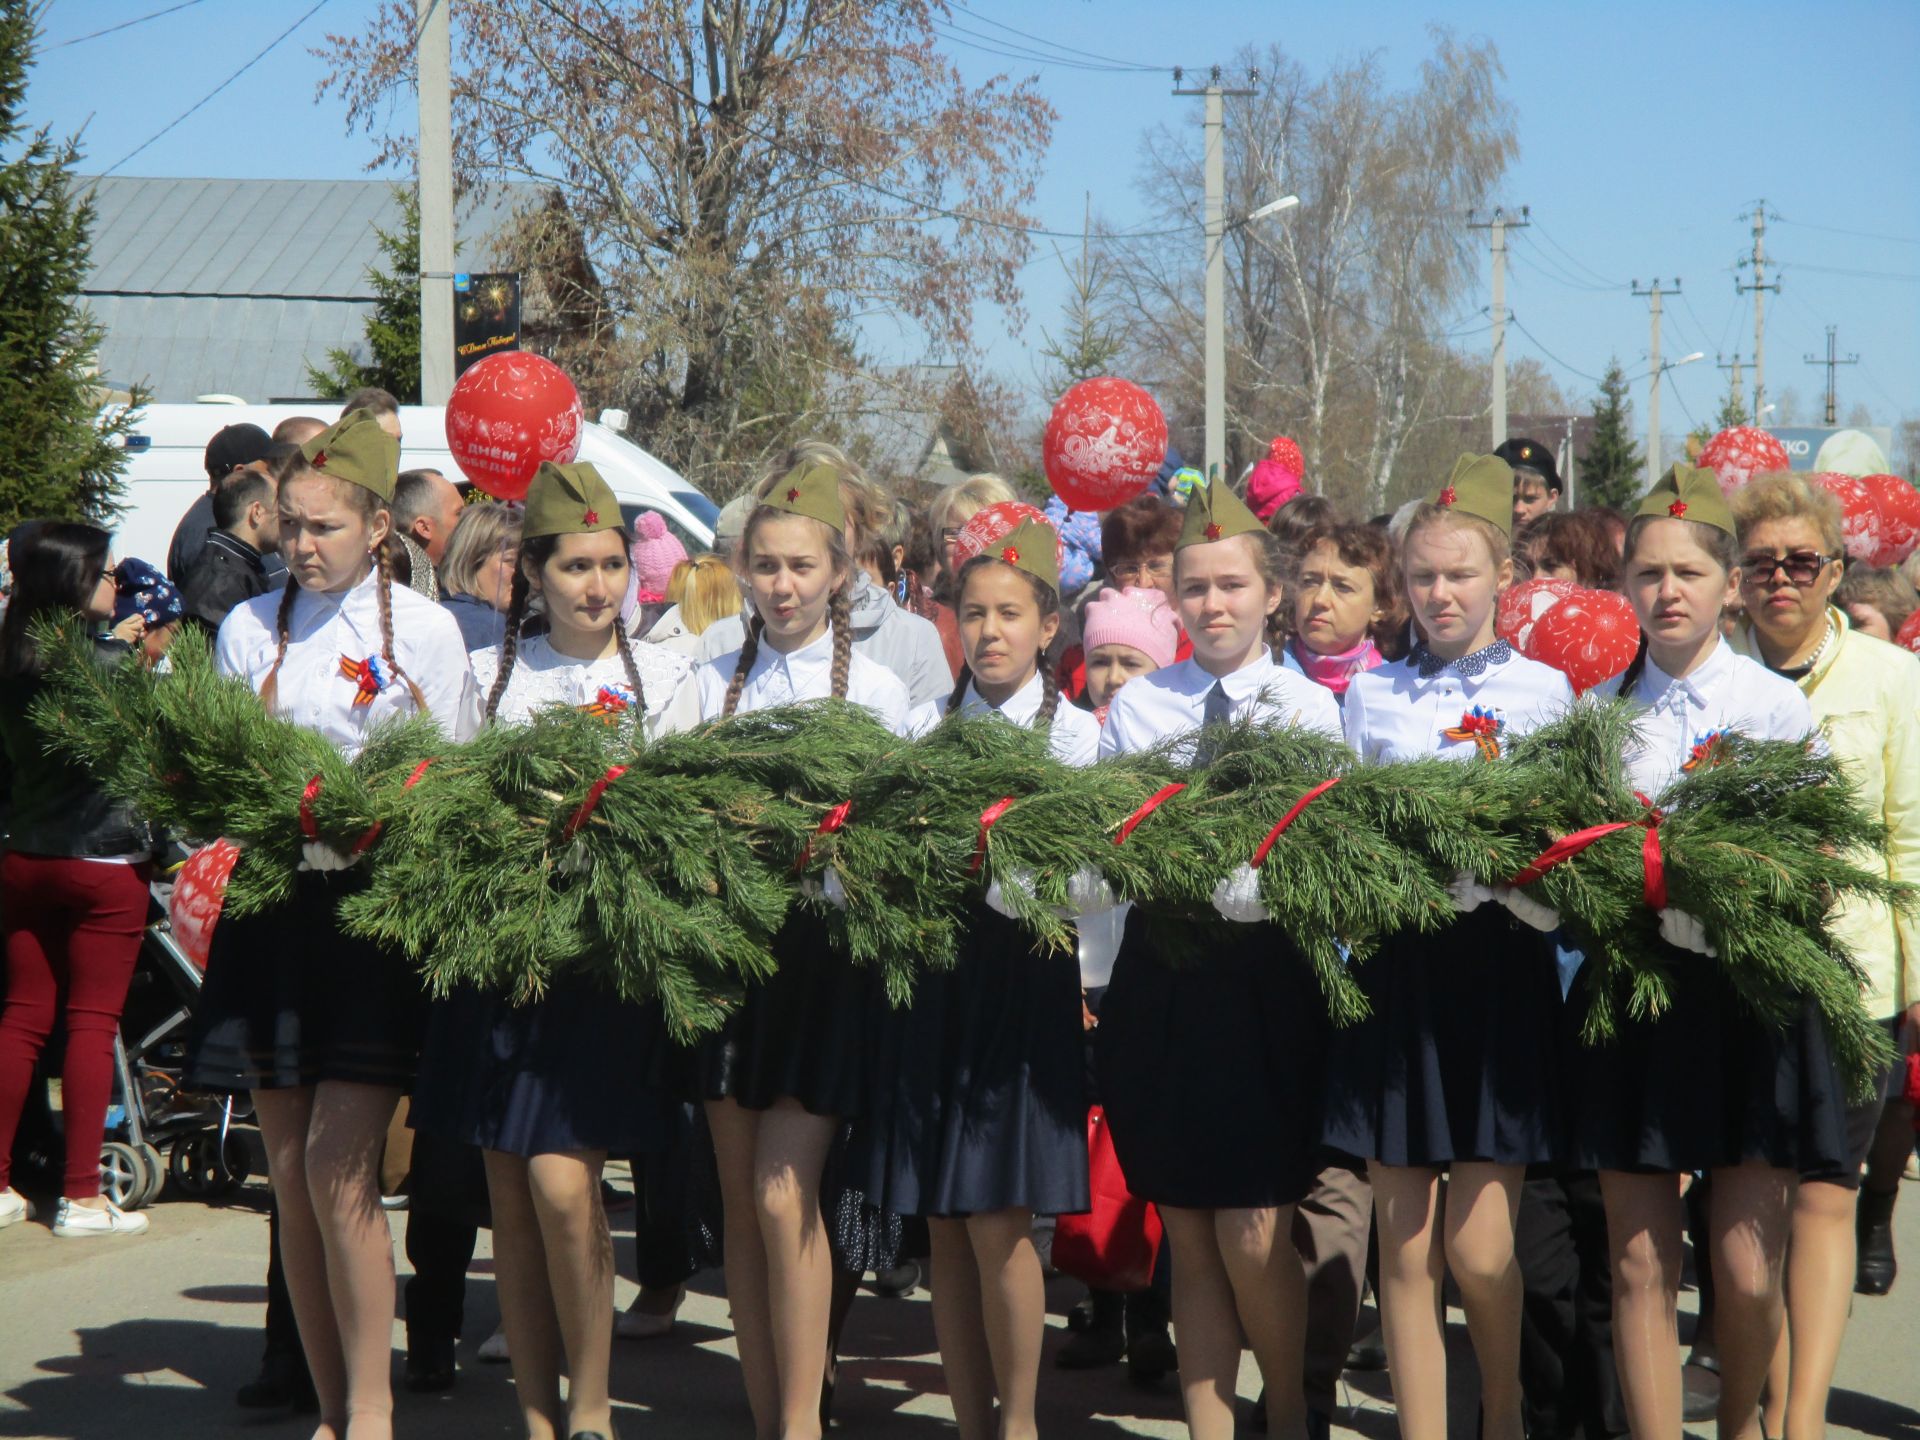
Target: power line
(1857, 234)
(1685, 409)
(1571, 370)
(1575, 260)
(1055, 44)
(1012, 50)
(123, 25)
(1559, 276)
(268, 50)
(1854, 274)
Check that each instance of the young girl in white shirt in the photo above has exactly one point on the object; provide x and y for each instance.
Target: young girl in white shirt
(547, 1089)
(791, 1065)
(1210, 1070)
(322, 1029)
(1455, 1070)
(1706, 1085)
(979, 1116)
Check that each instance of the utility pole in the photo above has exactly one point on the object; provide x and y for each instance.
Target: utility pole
(1653, 295)
(1733, 389)
(1496, 229)
(434, 57)
(1759, 287)
(1216, 285)
(1831, 362)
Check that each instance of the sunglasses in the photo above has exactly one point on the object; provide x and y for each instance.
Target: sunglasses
(1801, 567)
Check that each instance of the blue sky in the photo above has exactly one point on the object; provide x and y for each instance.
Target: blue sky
(1646, 131)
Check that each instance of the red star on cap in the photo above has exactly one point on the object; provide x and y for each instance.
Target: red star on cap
(1448, 496)
(793, 494)
(319, 461)
(1677, 509)
(592, 517)
(1011, 555)
(1213, 530)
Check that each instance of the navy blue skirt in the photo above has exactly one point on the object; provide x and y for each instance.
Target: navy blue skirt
(1461, 1056)
(800, 1035)
(1708, 1084)
(576, 1070)
(979, 1098)
(289, 1000)
(1211, 1070)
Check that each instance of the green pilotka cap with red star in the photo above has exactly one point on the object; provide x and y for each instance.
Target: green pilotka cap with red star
(1689, 492)
(355, 449)
(1480, 486)
(1033, 546)
(811, 488)
(569, 500)
(1214, 512)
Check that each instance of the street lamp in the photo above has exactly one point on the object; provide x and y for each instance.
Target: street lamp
(1216, 321)
(1653, 413)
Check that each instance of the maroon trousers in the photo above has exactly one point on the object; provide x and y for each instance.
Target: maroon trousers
(72, 931)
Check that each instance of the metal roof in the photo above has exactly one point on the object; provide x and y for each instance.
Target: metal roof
(233, 286)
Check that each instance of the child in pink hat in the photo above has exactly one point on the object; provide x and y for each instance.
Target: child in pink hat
(656, 550)
(1126, 633)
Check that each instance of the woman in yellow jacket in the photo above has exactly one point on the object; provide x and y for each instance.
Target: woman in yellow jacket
(1866, 695)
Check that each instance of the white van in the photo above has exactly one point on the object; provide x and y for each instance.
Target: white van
(166, 470)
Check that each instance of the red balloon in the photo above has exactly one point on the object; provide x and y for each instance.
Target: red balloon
(1590, 636)
(510, 413)
(1738, 454)
(1908, 635)
(1899, 517)
(199, 891)
(1862, 524)
(1522, 605)
(1104, 444)
(994, 522)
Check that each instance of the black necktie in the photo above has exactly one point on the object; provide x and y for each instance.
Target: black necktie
(1217, 712)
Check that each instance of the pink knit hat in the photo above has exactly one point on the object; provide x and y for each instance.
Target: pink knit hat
(1275, 478)
(1134, 616)
(655, 552)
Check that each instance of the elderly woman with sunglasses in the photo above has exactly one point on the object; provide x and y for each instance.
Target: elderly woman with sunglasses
(1865, 694)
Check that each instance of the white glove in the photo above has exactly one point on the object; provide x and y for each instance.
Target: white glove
(318, 855)
(997, 898)
(1685, 932)
(574, 860)
(1468, 894)
(1526, 909)
(1089, 893)
(829, 886)
(1237, 897)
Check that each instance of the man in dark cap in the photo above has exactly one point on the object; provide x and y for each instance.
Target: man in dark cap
(1536, 479)
(232, 447)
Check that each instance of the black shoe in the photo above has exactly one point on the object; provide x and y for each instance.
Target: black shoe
(588, 1435)
(1369, 1352)
(429, 1366)
(897, 1282)
(282, 1382)
(1081, 1315)
(1873, 1223)
(1101, 1338)
(1150, 1352)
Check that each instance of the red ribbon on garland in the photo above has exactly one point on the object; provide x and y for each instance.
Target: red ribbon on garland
(1652, 861)
(588, 805)
(307, 797)
(365, 842)
(1160, 797)
(829, 822)
(987, 816)
(1260, 855)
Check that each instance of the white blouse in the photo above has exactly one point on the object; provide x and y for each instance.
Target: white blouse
(1173, 701)
(804, 674)
(543, 678)
(327, 634)
(1392, 713)
(1727, 692)
(1073, 737)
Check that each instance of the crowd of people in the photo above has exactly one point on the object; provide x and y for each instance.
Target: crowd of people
(821, 1136)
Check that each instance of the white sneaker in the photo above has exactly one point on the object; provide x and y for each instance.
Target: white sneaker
(73, 1220)
(13, 1207)
(493, 1349)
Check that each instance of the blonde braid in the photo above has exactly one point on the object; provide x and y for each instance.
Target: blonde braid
(749, 647)
(283, 627)
(385, 592)
(840, 615)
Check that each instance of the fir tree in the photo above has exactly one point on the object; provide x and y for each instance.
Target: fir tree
(58, 456)
(1091, 342)
(1733, 411)
(393, 329)
(1610, 470)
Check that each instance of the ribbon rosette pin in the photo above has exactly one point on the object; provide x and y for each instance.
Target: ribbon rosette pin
(1708, 750)
(1482, 726)
(371, 675)
(612, 702)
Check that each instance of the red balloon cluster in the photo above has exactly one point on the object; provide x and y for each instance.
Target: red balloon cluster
(994, 523)
(1589, 636)
(1899, 517)
(1862, 524)
(510, 413)
(1522, 605)
(199, 891)
(1739, 454)
(1104, 443)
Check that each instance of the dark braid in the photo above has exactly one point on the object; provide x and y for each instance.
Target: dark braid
(283, 627)
(385, 592)
(510, 641)
(1049, 693)
(749, 648)
(1631, 677)
(633, 670)
(955, 700)
(840, 616)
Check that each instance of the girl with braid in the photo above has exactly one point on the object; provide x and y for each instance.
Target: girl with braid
(790, 1066)
(325, 1030)
(547, 1089)
(979, 1114)
(1210, 1069)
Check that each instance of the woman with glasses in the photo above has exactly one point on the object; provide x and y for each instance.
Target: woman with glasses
(1865, 694)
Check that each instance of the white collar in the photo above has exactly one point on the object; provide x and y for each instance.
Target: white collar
(1242, 684)
(1022, 707)
(815, 655)
(1698, 685)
